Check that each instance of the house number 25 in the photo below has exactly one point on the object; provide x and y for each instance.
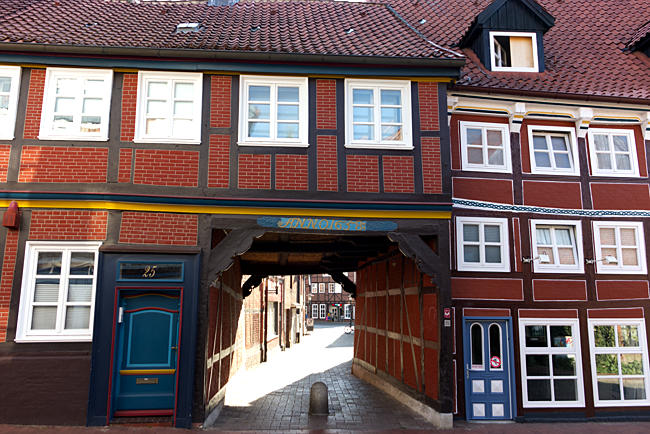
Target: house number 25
(149, 271)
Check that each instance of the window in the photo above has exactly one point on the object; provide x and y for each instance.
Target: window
(272, 319)
(314, 288)
(169, 108)
(76, 104)
(553, 150)
(9, 87)
(485, 147)
(321, 288)
(314, 311)
(619, 362)
(613, 152)
(347, 311)
(513, 51)
(476, 346)
(557, 246)
(330, 288)
(482, 244)
(273, 111)
(551, 364)
(378, 114)
(619, 248)
(323, 313)
(58, 292)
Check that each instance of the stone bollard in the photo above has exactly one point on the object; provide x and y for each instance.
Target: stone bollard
(318, 399)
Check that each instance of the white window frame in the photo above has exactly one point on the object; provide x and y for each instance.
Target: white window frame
(49, 100)
(196, 78)
(485, 167)
(619, 268)
(576, 351)
(321, 288)
(538, 267)
(273, 82)
(504, 265)
(347, 311)
(314, 288)
(642, 348)
(8, 121)
(314, 311)
(634, 161)
(573, 150)
(331, 288)
(323, 311)
(493, 55)
(377, 85)
(23, 330)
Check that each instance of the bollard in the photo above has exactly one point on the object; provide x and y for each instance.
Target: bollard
(318, 399)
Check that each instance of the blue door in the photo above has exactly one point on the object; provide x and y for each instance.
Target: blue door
(147, 353)
(488, 380)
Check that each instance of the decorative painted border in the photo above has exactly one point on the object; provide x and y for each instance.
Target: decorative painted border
(491, 206)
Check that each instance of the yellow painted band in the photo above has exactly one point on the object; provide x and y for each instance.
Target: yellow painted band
(201, 209)
(497, 110)
(147, 371)
(533, 113)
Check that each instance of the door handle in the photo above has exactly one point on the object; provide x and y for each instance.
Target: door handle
(467, 370)
(174, 348)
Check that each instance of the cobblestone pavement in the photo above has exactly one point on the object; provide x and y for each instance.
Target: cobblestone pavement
(275, 395)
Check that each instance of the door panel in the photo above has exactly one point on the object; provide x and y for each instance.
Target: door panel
(487, 370)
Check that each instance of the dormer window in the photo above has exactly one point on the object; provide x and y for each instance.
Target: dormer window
(514, 51)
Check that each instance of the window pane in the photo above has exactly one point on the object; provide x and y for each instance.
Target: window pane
(539, 390)
(620, 144)
(181, 127)
(66, 86)
(90, 124)
(561, 337)
(62, 122)
(566, 256)
(259, 111)
(548, 251)
(184, 108)
(92, 105)
(392, 115)
(471, 254)
(184, 91)
(623, 162)
(288, 94)
(4, 103)
(259, 93)
(77, 317)
(562, 161)
(82, 263)
(628, 336)
(542, 159)
(258, 129)
(475, 155)
(564, 365)
(537, 365)
(80, 290)
(362, 96)
(5, 84)
(606, 364)
(601, 143)
(604, 161)
(362, 114)
(94, 88)
(628, 236)
(493, 254)
(495, 341)
(157, 89)
(559, 143)
(629, 257)
(495, 157)
(565, 390)
(539, 142)
(470, 232)
(156, 107)
(632, 364)
(604, 336)
(288, 112)
(391, 132)
(543, 236)
(494, 138)
(633, 388)
(536, 336)
(563, 237)
(474, 137)
(363, 132)
(288, 130)
(44, 318)
(391, 97)
(49, 263)
(157, 126)
(46, 291)
(477, 344)
(492, 233)
(609, 389)
(607, 236)
(64, 105)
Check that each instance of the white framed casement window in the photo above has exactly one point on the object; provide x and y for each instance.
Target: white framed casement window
(273, 111)
(613, 152)
(619, 247)
(551, 363)
(76, 104)
(9, 88)
(169, 107)
(557, 246)
(321, 288)
(330, 288)
(553, 150)
(314, 311)
(514, 51)
(619, 362)
(323, 311)
(314, 288)
(347, 311)
(58, 292)
(485, 147)
(378, 114)
(482, 244)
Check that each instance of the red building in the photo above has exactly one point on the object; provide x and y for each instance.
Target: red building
(327, 300)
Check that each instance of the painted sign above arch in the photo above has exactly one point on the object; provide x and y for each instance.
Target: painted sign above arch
(321, 224)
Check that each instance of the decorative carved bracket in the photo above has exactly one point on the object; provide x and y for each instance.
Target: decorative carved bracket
(517, 117)
(237, 242)
(251, 282)
(345, 282)
(413, 247)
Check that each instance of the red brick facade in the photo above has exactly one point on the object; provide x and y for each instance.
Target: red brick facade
(129, 101)
(5, 152)
(431, 168)
(220, 101)
(327, 163)
(158, 228)
(326, 104)
(291, 172)
(219, 162)
(254, 171)
(68, 225)
(398, 174)
(63, 164)
(7, 279)
(428, 96)
(126, 163)
(363, 173)
(34, 104)
(166, 167)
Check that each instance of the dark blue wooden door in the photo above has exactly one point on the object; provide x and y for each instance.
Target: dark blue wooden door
(147, 333)
(488, 388)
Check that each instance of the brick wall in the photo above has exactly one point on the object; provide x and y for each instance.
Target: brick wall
(363, 173)
(68, 225)
(220, 101)
(63, 164)
(327, 163)
(219, 162)
(158, 228)
(129, 100)
(126, 162)
(7, 279)
(428, 95)
(398, 174)
(166, 167)
(326, 104)
(254, 171)
(291, 172)
(34, 104)
(431, 169)
(5, 151)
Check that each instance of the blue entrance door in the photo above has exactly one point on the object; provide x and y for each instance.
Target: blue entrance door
(488, 387)
(147, 345)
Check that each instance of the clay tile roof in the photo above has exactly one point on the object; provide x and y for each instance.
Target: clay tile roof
(585, 51)
(309, 27)
(641, 34)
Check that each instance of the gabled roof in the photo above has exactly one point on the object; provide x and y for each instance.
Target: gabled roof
(305, 28)
(640, 38)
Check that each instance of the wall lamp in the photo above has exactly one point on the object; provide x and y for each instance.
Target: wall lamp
(543, 259)
(608, 259)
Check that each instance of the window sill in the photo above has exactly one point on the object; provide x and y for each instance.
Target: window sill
(552, 173)
(279, 144)
(50, 339)
(75, 138)
(558, 271)
(557, 404)
(10, 137)
(379, 146)
(486, 169)
(167, 141)
(627, 403)
(513, 69)
(616, 175)
(484, 269)
(621, 271)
